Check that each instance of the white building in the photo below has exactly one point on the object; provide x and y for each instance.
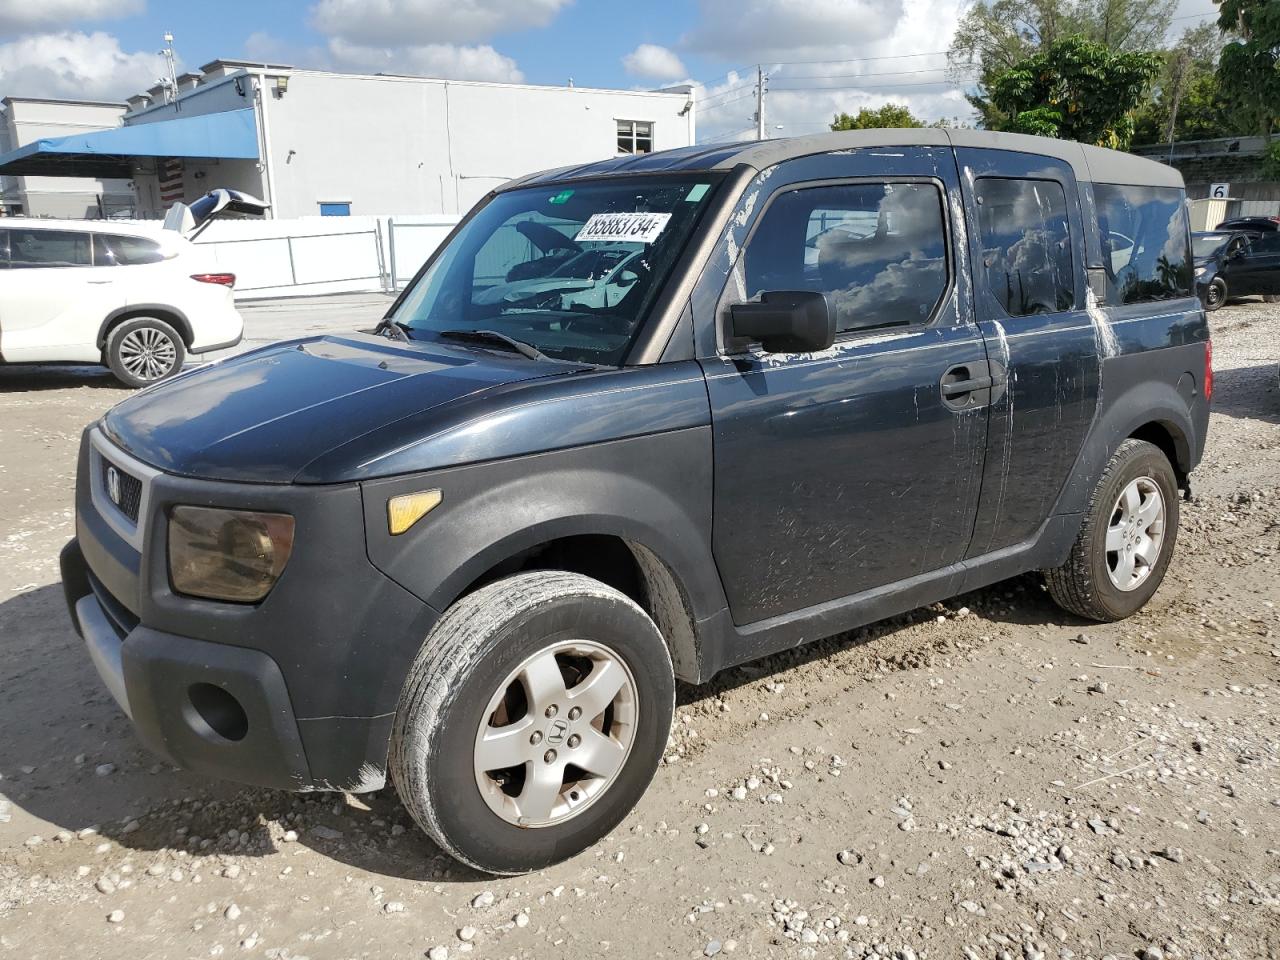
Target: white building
(312, 142)
(26, 120)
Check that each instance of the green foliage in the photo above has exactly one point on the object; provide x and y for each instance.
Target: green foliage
(1249, 67)
(890, 115)
(1271, 163)
(1186, 103)
(1076, 89)
(997, 34)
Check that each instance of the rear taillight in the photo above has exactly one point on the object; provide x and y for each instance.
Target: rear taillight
(223, 279)
(1208, 370)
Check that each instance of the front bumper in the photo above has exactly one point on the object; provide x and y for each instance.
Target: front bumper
(297, 692)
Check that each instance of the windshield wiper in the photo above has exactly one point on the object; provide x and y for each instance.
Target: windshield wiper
(392, 329)
(493, 336)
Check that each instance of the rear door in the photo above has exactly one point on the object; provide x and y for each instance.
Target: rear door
(1027, 243)
(52, 299)
(856, 467)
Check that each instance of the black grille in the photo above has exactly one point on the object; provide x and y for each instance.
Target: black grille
(129, 489)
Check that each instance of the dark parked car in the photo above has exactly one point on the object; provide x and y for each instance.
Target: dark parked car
(1254, 225)
(1235, 264)
(853, 374)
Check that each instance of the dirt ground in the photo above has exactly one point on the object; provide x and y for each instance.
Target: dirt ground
(986, 778)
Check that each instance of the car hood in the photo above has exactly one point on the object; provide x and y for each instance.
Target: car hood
(263, 416)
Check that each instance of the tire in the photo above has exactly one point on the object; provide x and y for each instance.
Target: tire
(1215, 295)
(1086, 584)
(478, 647)
(143, 351)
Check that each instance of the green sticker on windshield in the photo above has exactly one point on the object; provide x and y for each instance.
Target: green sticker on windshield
(561, 197)
(697, 193)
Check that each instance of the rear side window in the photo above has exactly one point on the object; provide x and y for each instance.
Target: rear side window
(878, 250)
(1267, 243)
(110, 250)
(1026, 244)
(48, 248)
(1145, 245)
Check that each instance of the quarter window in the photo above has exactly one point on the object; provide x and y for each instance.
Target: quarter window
(48, 248)
(635, 136)
(878, 250)
(1026, 244)
(110, 250)
(1145, 244)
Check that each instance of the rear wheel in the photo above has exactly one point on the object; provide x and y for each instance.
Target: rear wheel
(1126, 539)
(532, 720)
(143, 351)
(1215, 295)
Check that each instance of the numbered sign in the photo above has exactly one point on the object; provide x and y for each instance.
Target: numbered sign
(1219, 191)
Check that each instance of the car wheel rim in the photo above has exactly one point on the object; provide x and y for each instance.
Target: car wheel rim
(148, 353)
(556, 734)
(1215, 294)
(1135, 535)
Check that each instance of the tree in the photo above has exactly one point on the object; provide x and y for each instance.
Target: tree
(890, 115)
(1186, 103)
(997, 34)
(1076, 89)
(1249, 68)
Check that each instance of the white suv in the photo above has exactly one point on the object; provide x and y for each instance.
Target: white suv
(135, 298)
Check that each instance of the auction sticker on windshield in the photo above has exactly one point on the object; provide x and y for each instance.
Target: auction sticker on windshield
(623, 227)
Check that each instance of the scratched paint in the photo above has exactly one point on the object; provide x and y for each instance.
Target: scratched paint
(1108, 345)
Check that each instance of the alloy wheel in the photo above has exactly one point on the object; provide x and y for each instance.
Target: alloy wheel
(1135, 535)
(556, 733)
(148, 353)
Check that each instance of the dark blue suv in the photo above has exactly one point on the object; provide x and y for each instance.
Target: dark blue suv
(639, 420)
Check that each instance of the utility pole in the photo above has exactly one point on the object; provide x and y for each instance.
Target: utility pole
(761, 80)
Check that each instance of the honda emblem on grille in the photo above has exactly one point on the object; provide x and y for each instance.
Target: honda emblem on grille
(113, 485)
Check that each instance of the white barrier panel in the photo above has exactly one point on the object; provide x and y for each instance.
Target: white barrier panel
(411, 240)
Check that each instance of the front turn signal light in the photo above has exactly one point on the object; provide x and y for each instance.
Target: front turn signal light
(408, 508)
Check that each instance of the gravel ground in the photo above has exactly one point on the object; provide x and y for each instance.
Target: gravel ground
(985, 778)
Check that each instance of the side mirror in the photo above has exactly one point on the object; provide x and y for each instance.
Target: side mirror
(788, 321)
(625, 278)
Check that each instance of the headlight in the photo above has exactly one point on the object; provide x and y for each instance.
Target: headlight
(1201, 271)
(235, 555)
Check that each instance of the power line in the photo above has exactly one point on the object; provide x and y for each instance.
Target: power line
(886, 86)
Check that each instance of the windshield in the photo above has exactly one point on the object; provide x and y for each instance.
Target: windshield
(572, 270)
(1207, 244)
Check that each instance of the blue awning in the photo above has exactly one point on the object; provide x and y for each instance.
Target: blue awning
(231, 135)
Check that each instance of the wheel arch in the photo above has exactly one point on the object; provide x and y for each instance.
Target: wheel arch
(160, 311)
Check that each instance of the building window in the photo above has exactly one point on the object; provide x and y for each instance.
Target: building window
(1026, 245)
(635, 136)
(335, 208)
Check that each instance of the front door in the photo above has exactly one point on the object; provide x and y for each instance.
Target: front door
(848, 469)
(1256, 269)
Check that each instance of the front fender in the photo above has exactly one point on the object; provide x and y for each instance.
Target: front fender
(654, 491)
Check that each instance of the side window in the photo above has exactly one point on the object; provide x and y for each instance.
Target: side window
(1026, 244)
(1146, 247)
(113, 251)
(48, 248)
(878, 250)
(1267, 243)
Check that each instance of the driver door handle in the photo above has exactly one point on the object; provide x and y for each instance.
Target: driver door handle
(955, 388)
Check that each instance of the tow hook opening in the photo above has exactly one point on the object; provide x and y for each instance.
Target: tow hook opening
(215, 713)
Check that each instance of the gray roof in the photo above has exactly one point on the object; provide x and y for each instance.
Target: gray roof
(1089, 163)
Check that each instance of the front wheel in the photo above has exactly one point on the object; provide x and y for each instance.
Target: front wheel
(1126, 538)
(143, 351)
(532, 720)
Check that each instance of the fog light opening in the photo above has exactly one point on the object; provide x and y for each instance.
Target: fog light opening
(214, 711)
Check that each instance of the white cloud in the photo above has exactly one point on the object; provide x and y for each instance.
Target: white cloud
(653, 62)
(824, 57)
(429, 22)
(445, 60)
(22, 16)
(75, 65)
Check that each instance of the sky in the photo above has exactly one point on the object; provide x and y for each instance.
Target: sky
(822, 56)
